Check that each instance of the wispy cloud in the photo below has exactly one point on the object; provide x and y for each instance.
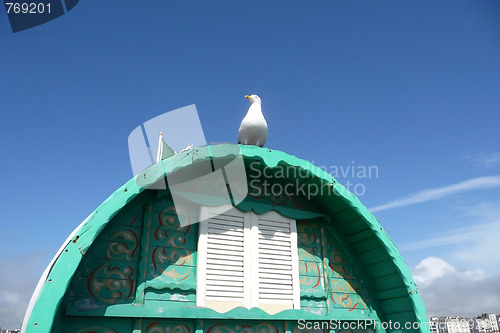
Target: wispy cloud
(441, 192)
(452, 237)
(470, 246)
(486, 160)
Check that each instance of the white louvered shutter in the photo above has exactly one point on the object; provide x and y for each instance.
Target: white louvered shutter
(245, 259)
(225, 259)
(222, 267)
(277, 263)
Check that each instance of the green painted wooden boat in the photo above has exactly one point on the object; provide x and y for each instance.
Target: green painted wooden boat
(136, 265)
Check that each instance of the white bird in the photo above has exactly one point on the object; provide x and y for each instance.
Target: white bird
(253, 128)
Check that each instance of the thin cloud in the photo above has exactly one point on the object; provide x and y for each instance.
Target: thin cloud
(453, 237)
(485, 160)
(470, 246)
(441, 192)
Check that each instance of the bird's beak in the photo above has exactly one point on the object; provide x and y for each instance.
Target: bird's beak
(248, 97)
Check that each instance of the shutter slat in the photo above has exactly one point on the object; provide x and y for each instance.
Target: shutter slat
(264, 232)
(271, 231)
(278, 251)
(220, 282)
(275, 289)
(224, 236)
(276, 297)
(223, 242)
(264, 287)
(218, 248)
(225, 252)
(274, 223)
(236, 289)
(217, 231)
(212, 294)
(275, 238)
(268, 293)
(223, 227)
(227, 247)
(226, 276)
(275, 256)
(228, 257)
(279, 262)
(225, 231)
(227, 217)
(284, 227)
(272, 268)
(230, 224)
(229, 265)
(274, 242)
(225, 299)
(270, 247)
(275, 279)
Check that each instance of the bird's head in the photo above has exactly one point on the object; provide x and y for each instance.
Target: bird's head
(253, 99)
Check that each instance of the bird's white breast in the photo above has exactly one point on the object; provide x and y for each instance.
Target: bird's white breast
(253, 128)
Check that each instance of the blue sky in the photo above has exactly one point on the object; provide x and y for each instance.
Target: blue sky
(411, 87)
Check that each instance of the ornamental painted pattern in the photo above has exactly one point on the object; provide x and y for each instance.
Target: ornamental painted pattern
(310, 260)
(310, 272)
(343, 284)
(108, 271)
(166, 327)
(113, 280)
(122, 245)
(342, 289)
(171, 252)
(344, 295)
(117, 283)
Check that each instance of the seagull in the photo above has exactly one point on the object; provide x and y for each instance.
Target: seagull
(253, 128)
